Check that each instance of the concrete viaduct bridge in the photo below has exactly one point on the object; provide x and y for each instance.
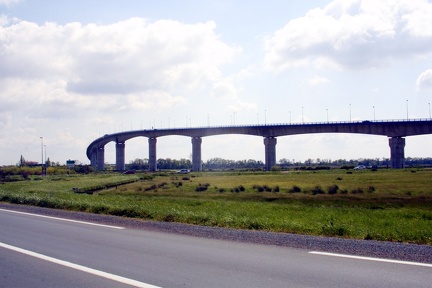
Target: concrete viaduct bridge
(395, 130)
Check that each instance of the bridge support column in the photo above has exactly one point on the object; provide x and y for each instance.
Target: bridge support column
(196, 154)
(120, 156)
(270, 152)
(397, 152)
(100, 158)
(152, 154)
(93, 160)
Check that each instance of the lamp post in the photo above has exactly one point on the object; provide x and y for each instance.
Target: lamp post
(327, 115)
(407, 109)
(374, 111)
(429, 112)
(42, 153)
(302, 116)
(350, 111)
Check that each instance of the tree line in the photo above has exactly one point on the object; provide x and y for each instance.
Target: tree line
(220, 163)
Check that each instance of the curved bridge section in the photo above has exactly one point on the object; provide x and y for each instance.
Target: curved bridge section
(395, 130)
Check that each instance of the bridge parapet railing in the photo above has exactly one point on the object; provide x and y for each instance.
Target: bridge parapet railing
(305, 123)
(281, 124)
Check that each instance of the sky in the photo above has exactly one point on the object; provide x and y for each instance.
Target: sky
(72, 71)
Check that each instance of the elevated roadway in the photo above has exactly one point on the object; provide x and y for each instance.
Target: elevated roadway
(395, 130)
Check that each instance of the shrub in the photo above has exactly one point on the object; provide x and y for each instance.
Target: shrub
(152, 187)
(276, 188)
(163, 184)
(357, 191)
(347, 167)
(202, 187)
(295, 189)
(344, 191)
(317, 190)
(371, 189)
(177, 184)
(258, 188)
(332, 189)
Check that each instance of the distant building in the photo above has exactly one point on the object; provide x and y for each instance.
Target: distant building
(71, 163)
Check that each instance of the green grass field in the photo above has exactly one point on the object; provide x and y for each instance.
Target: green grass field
(388, 205)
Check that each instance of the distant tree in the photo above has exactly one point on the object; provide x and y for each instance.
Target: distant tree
(21, 162)
(138, 164)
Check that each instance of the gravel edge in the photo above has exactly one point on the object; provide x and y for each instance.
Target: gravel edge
(367, 248)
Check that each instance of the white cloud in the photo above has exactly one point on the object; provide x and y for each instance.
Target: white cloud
(242, 106)
(424, 81)
(352, 34)
(9, 2)
(129, 64)
(318, 80)
(225, 89)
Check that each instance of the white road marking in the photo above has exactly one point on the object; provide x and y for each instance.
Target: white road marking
(372, 259)
(63, 219)
(79, 267)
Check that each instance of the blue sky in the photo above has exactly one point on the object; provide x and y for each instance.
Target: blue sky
(75, 70)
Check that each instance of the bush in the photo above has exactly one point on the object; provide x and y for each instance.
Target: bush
(317, 190)
(152, 187)
(177, 184)
(295, 189)
(202, 187)
(332, 189)
(347, 167)
(357, 191)
(344, 191)
(163, 184)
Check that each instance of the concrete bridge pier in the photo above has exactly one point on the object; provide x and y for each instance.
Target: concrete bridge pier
(93, 159)
(397, 152)
(100, 158)
(270, 152)
(120, 156)
(152, 154)
(196, 154)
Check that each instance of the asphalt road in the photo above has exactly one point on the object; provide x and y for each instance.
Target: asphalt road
(61, 253)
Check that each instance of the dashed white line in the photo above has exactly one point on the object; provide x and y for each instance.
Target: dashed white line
(63, 219)
(371, 259)
(79, 267)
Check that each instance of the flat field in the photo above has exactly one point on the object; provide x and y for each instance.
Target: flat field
(387, 205)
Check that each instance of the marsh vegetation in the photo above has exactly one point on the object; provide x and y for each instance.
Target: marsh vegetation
(388, 205)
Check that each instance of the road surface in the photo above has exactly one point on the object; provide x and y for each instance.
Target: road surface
(46, 251)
